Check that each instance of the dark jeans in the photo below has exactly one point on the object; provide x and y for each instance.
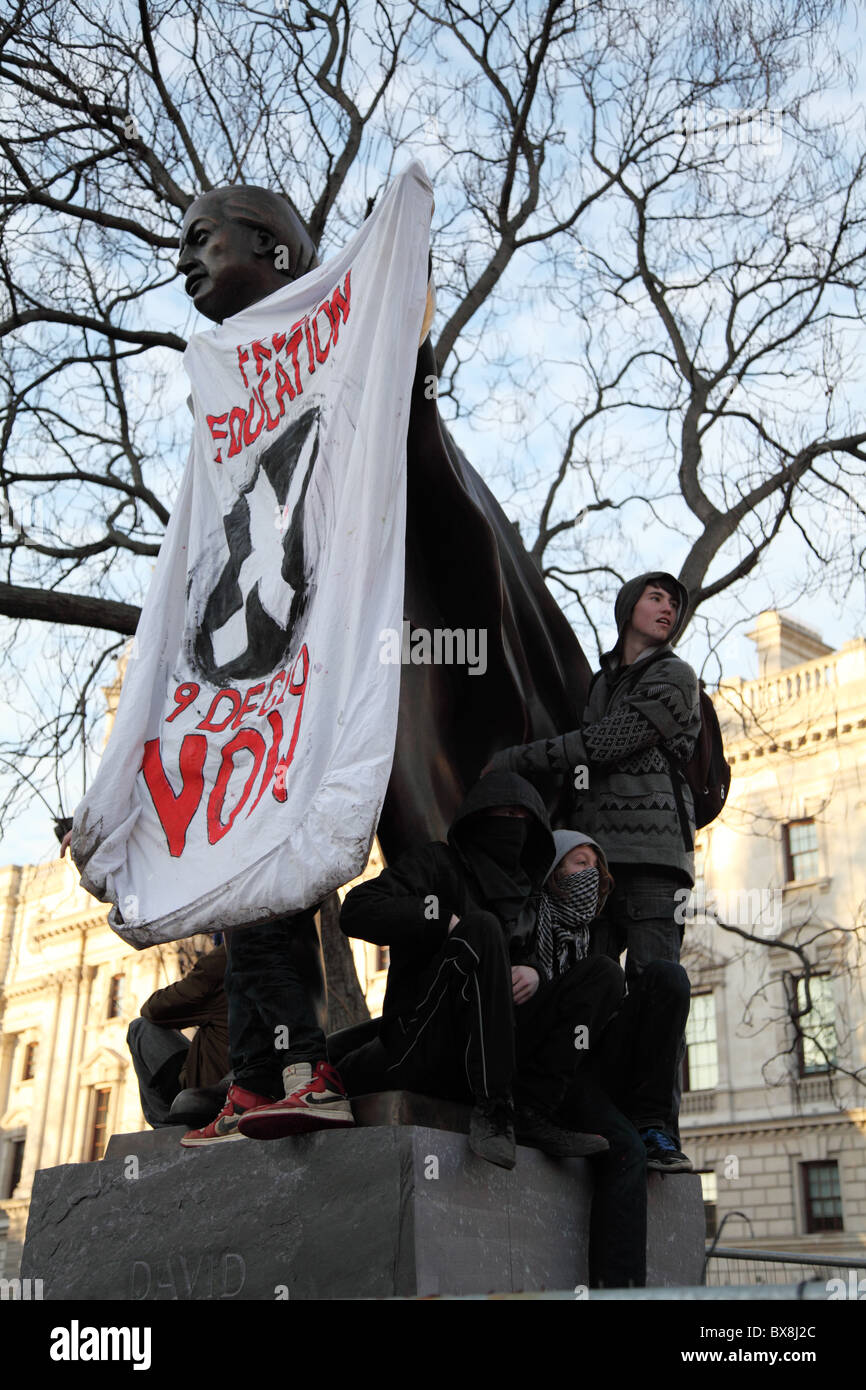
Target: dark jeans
(645, 916)
(273, 981)
(559, 1026)
(158, 1055)
(641, 1047)
(459, 1041)
(618, 1221)
(627, 1085)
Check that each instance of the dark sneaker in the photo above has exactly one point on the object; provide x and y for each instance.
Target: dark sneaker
(315, 1099)
(540, 1132)
(491, 1132)
(225, 1126)
(663, 1154)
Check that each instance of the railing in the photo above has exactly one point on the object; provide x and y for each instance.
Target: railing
(727, 1265)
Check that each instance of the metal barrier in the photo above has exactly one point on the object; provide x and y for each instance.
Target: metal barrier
(728, 1265)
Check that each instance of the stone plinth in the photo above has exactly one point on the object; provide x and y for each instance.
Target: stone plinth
(389, 1208)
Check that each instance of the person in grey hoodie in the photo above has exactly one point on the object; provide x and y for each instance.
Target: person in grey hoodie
(622, 767)
(624, 1090)
(640, 724)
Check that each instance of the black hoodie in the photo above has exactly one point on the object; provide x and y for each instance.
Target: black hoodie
(409, 906)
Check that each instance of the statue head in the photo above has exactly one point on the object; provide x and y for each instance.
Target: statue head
(238, 245)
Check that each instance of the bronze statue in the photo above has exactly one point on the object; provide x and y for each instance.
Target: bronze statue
(466, 567)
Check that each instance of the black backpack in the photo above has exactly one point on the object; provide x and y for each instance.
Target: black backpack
(707, 771)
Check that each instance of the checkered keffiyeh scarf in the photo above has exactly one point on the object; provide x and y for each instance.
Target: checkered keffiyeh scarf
(562, 926)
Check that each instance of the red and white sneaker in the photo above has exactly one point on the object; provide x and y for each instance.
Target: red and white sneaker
(225, 1126)
(315, 1099)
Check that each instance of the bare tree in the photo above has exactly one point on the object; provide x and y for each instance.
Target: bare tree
(718, 308)
(685, 309)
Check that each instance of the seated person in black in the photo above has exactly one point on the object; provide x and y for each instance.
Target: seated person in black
(625, 1091)
(458, 919)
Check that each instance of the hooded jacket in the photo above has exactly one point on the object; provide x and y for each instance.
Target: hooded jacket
(636, 718)
(409, 906)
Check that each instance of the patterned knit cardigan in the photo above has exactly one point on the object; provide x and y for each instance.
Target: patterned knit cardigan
(623, 792)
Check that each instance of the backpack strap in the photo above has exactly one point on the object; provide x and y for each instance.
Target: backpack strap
(677, 776)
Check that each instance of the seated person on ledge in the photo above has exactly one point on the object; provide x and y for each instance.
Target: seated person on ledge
(455, 917)
(165, 1062)
(625, 1089)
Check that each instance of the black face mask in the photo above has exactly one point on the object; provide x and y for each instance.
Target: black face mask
(501, 838)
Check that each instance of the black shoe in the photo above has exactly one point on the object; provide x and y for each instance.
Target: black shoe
(197, 1106)
(491, 1132)
(536, 1129)
(663, 1154)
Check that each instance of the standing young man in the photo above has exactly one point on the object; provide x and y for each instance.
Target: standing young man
(640, 725)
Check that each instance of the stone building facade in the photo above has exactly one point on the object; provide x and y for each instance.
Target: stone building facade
(774, 1113)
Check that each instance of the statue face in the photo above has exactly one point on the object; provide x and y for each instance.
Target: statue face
(228, 265)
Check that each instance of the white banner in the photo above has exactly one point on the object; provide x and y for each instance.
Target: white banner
(255, 732)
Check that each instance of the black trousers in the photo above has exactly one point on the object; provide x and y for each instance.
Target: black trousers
(158, 1055)
(458, 1042)
(560, 1026)
(618, 1221)
(641, 1047)
(273, 981)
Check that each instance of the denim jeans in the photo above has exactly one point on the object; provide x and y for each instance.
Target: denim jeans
(273, 984)
(645, 917)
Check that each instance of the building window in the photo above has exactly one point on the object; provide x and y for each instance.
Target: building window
(701, 1062)
(99, 1130)
(15, 1159)
(801, 850)
(28, 1070)
(816, 1026)
(383, 958)
(710, 1193)
(822, 1198)
(116, 993)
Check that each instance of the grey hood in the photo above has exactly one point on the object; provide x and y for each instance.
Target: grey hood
(567, 840)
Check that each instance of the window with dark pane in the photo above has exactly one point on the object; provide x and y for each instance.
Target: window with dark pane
(701, 1061)
(816, 1029)
(99, 1129)
(822, 1197)
(28, 1070)
(16, 1164)
(710, 1194)
(116, 993)
(801, 850)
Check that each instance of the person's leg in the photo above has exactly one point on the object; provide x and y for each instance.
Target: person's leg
(459, 1041)
(158, 1055)
(276, 1043)
(559, 1027)
(272, 1018)
(649, 909)
(642, 1059)
(618, 1221)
